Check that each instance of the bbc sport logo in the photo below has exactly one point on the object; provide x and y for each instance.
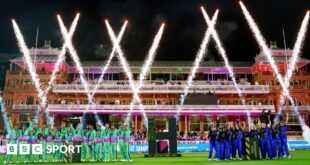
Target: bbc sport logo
(37, 149)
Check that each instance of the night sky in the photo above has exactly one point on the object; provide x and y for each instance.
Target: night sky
(183, 34)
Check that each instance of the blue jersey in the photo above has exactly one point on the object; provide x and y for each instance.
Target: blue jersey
(212, 136)
(220, 136)
(252, 133)
(237, 134)
(264, 133)
(270, 133)
(283, 132)
(227, 135)
(276, 133)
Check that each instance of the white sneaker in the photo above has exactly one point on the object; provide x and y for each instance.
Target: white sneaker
(289, 157)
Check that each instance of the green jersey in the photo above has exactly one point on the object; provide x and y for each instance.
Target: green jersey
(13, 134)
(106, 135)
(113, 135)
(91, 135)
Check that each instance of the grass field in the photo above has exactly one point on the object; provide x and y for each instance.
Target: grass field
(301, 157)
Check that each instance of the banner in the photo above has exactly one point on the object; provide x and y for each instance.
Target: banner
(204, 147)
(199, 147)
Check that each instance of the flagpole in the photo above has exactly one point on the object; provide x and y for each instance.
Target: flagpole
(35, 50)
(284, 41)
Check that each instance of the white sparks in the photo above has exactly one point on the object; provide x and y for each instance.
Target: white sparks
(105, 68)
(74, 55)
(23, 48)
(42, 94)
(127, 70)
(262, 43)
(295, 55)
(62, 54)
(147, 64)
(223, 54)
(200, 54)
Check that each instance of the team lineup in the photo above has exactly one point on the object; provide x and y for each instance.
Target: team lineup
(97, 144)
(227, 141)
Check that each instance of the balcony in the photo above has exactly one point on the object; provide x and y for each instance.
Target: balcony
(300, 108)
(158, 109)
(24, 108)
(166, 88)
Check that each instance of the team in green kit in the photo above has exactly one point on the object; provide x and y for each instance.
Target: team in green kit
(98, 144)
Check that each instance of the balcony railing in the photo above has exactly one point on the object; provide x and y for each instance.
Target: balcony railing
(24, 107)
(166, 88)
(161, 109)
(300, 108)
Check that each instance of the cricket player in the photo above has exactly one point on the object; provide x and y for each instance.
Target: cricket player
(264, 141)
(283, 138)
(106, 142)
(237, 142)
(33, 139)
(24, 138)
(42, 134)
(227, 142)
(127, 132)
(121, 141)
(59, 142)
(113, 139)
(98, 143)
(13, 135)
(212, 141)
(276, 141)
(84, 144)
(220, 144)
(91, 142)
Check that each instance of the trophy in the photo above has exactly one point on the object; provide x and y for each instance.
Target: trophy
(265, 116)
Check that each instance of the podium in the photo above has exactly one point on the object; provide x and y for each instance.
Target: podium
(162, 144)
(252, 151)
(73, 157)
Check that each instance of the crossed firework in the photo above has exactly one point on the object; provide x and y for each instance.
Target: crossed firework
(135, 87)
(68, 45)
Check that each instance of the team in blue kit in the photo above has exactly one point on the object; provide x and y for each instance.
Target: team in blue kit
(228, 141)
